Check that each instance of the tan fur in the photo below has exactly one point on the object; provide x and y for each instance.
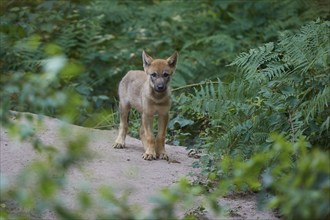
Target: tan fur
(149, 93)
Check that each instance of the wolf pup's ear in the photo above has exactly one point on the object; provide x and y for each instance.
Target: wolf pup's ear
(146, 59)
(172, 60)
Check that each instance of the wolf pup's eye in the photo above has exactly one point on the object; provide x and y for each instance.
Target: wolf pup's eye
(166, 75)
(153, 75)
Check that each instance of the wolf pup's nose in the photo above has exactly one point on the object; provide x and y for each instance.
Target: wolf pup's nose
(161, 88)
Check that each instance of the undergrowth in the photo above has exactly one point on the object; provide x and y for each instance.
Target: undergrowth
(281, 87)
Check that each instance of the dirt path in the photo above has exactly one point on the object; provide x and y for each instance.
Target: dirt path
(122, 169)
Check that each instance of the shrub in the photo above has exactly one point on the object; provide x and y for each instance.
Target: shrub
(290, 177)
(283, 87)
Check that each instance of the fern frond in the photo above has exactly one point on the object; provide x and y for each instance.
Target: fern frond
(275, 70)
(293, 54)
(317, 105)
(252, 61)
(307, 47)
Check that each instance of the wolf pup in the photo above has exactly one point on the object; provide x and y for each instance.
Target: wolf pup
(148, 92)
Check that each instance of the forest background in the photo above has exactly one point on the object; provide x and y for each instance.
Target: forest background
(251, 89)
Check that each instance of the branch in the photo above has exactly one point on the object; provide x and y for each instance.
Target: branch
(196, 84)
(292, 127)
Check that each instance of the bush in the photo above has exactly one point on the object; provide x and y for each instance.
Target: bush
(290, 177)
(282, 87)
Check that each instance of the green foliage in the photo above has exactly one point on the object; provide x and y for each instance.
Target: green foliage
(281, 87)
(104, 39)
(290, 176)
(292, 77)
(169, 198)
(276, 92)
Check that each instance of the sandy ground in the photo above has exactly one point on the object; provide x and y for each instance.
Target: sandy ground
(122, 169)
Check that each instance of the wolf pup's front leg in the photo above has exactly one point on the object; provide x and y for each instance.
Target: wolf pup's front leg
(148, 139)
(160, 139)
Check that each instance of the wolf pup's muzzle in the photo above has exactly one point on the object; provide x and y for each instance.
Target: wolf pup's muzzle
(160, 87)
(159, 83)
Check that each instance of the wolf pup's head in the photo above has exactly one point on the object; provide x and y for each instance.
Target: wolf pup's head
(159, 71)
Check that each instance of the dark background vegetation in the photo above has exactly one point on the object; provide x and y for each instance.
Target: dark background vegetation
(228, 98)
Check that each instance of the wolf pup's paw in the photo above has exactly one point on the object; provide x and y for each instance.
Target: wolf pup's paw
(118, 145)
(163, 156)
(149, 156)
